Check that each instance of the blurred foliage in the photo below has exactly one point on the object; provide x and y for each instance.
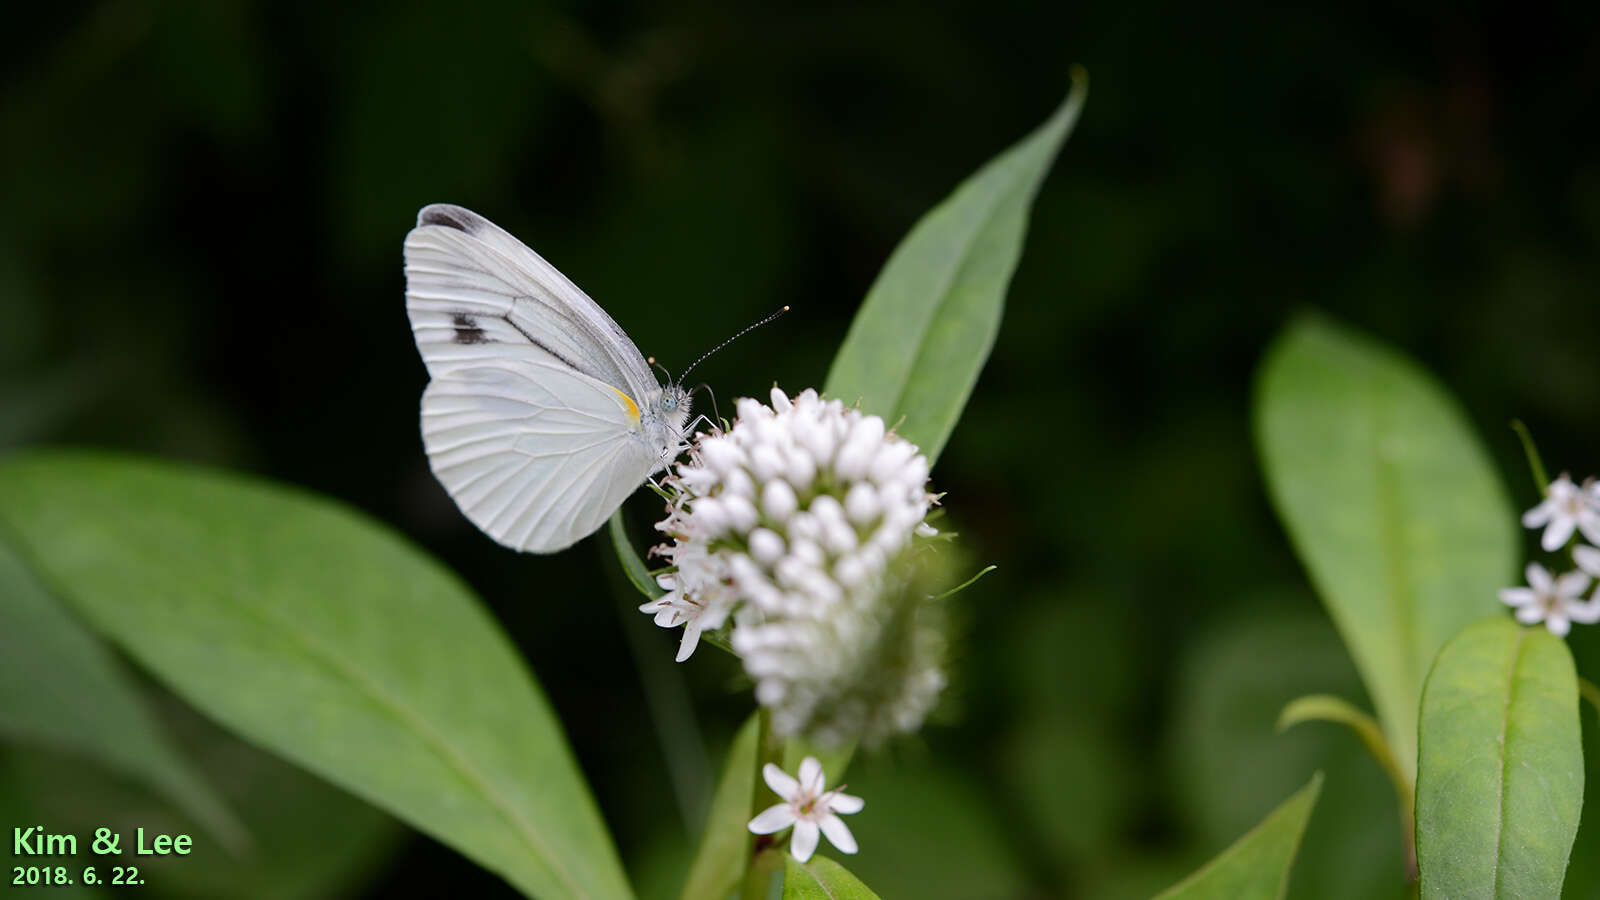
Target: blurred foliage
(204, 261)
(1391, 502)
(323, 636)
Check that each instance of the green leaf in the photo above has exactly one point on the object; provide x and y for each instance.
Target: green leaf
(326, 638)
(1258, 864)
(60, 688)
(1500, 780)
(820, 878)
(725, 844)
(926, 327)
(632, 565)
(1391, 503)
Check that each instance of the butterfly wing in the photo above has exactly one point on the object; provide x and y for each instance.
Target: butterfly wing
(472, 290)
(531, 419)
(535, 454)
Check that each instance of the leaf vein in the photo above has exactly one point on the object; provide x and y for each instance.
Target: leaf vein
(431, 738)
(1505, 720)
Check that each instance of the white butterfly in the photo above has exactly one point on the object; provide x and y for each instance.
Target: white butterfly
(541, 416)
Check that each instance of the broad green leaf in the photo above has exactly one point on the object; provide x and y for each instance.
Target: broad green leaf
(820, 878)
(61, 688)
(1258, 864)
(1391, 503)
(1500, 777)
(326, 638)
(926, 327)
(725, 844)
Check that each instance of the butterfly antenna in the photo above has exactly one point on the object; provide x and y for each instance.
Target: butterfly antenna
(746, 330)
(651, 360)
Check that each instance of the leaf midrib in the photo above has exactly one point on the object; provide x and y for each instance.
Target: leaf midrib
(961, 264)
(806, 868)
(1505, 721)
(1390, 533)
(436, 742)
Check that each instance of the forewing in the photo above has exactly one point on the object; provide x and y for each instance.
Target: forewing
(473, 291)
(536, 455)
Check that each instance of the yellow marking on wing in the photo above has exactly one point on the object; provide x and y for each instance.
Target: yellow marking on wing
(633, 408)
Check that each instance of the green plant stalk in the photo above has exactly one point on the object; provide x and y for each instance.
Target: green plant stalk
(1535, 464)
(769, 750)
(966, 584)
(1328, 708)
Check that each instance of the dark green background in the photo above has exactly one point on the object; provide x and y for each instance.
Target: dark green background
(201, 258)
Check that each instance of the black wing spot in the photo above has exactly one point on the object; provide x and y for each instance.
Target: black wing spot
(467, 330)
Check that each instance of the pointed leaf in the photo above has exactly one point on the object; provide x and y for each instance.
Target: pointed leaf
(1391, 503)
(61, 688)
(323, 636)
(632, 566)
(820, 878)
(922, 335)
(1500, 778)
(725, 844)
(1257, 866)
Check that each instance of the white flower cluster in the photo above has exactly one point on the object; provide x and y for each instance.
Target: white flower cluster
(1558, 601)
(797, 523)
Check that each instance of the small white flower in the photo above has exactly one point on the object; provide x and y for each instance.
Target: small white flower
(672, 610)
(807, 807)
(1566, 507)
(1553, 601)
(703, 606)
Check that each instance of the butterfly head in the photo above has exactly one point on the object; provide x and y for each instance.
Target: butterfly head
(671, 405)
(665, 421)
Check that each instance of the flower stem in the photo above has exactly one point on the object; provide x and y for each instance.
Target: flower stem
(1328, 708)
(758, 874)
